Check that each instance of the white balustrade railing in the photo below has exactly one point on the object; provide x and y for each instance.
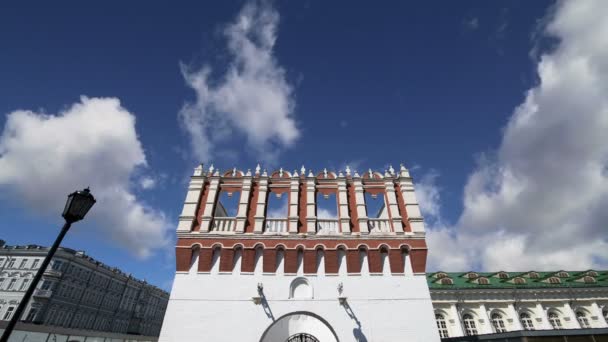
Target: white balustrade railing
(377, 225)
(274, 225)
(327, 226)
(223, 224)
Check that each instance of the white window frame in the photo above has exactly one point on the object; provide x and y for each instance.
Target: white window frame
(498, 322)
(442, 327)
(526, 321)
(468, 322)
(582, 319)
(555, 320)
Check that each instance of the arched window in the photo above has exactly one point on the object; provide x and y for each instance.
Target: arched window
(592, 273)
(519, 281)
(472, 275)
(447, 281)
(533, 275)
(440, 275)
(469, 325)
(526, 321)
(589, 279)
(441, 326)
(554, 280)
(503, 275)
(563, 274)
(483, 281)
(582, 319)
(498, 323)
(555, 321)
(606, 315)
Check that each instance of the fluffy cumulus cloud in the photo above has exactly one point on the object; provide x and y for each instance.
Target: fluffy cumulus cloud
(541, 201)
(251, 98)
(93, 143)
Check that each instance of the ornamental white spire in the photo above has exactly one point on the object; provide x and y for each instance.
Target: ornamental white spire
(303, 170)
(347, 170)
(281, 172)
(257, 169)
(211, 168)
(324, 172)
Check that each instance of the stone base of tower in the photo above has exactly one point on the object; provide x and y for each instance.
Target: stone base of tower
(222, 307)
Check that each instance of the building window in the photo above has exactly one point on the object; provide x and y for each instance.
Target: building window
(483, 281)
(554, 280)
(447, 281)
(11, 284)
(35, 263)
(582, 319)
(498, 323)
(31, 316)
(555, 321)
(563, 274)
(23, 262)
(592, 274)
(9, 313)
(11, 263)
(24, 284)
(472, 275)
(526, 321)
(469, 325)
(440, 275)
(441, 326)
(503, 275)
(533, 275)
(46, 285)
(57, 265)
(519, 281)
(589, 279)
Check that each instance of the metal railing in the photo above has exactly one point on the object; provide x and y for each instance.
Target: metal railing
(42, 293)
(327, 226)
(275, 225)
(223, 224)
(377, 225)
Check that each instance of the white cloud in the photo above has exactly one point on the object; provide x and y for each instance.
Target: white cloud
(252, 98)
(541, 202)
(92, 143)
(147, 182)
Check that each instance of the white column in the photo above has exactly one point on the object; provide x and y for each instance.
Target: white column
(392, 206)
(241, 215)
(191, 203)
(343, 210)
(411, 203)
(542, 314)
(597, 312)
(261, 205)
(456, 326)
(360, 202)
(210, 204)
(516, 322)
(570, 317)
(294, 198)
(311, 219)
(488, 328)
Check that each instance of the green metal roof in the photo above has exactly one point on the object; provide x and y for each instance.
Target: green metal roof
(461, 280)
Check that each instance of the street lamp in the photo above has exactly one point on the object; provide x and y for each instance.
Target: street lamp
(76, 207)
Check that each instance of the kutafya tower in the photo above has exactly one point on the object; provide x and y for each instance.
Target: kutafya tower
(247, 273)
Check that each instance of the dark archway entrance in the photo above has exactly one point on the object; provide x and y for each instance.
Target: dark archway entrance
(302, 337)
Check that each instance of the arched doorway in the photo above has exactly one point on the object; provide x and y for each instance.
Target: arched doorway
(299, 326)
(302, 337)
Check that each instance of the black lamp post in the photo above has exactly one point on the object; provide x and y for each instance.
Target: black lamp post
(76, 207)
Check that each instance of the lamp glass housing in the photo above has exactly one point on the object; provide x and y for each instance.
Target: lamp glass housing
(78, 205)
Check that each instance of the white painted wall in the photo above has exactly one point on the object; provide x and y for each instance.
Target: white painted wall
(219, 307)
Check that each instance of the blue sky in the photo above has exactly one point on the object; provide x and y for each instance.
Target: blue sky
(435, 85)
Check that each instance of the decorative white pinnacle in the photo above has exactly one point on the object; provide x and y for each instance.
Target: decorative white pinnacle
(198, 170)
(211, 168)
(295, 173)
(402, 167)
(391, 170)
(340, 174)
(248, 173)
(257, 169)
(386, 174)
(303, 170)
(324, 172)
(234, 172)
(281, 173)
(217, 173)
(357, 174)
(264, 174)
(310, 173)
(347, 170)
(371, 173)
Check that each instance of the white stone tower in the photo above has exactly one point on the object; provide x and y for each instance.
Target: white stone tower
(358, 275)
